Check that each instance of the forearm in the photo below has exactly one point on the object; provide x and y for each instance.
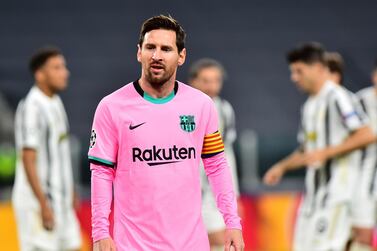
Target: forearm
(219, 177)
(29, 157)
(101, 198)
(294, 161)
(360, 138)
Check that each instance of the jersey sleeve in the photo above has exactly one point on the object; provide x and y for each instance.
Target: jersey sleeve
(101, 198)
(31, 124)
(301, 131)
(350, 111)
(103, 148)
(212, 142)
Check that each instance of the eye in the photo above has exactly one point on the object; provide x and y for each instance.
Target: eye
(167, 49)
(149, 46)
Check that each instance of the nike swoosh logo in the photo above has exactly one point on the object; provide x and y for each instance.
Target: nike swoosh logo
(136, 126)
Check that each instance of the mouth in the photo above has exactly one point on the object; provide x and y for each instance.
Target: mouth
(157, 68)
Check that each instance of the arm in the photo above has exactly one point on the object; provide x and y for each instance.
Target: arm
(101, 198)
(358, 139)
(102, 156)
(293, 161)
(220, 180)
(29, 157)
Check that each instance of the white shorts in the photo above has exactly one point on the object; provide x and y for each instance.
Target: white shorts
(363, 212)
(212, 218)
(325, 229)
(66, 234)
(363, 205)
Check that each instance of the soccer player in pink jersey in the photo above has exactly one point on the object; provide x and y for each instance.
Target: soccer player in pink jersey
(147, 141)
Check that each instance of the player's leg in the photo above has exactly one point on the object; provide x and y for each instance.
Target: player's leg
(328, 228)
(215, 226)
(70, 232)
(363, 212)
(32, 235)
(361, 239)
(301, 230)
(363, 223)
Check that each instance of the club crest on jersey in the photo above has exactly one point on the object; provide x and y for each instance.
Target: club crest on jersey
(93, 137)
(187, 123)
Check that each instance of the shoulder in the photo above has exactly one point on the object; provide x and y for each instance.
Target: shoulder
(342, 94)
(32, 101)
(365, 92)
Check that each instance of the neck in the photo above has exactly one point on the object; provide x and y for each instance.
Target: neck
(318, 85)
(160, 91)
(46, 90)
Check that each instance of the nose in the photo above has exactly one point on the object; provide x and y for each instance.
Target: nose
(156, 54)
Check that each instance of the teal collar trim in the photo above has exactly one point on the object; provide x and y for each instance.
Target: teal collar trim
(159, 100)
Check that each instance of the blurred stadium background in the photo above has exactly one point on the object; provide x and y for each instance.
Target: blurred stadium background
(250, 38)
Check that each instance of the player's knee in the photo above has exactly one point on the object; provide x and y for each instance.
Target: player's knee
(363, 236)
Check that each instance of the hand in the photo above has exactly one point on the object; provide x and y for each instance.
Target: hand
(316, 158)
(47, 216)
(104, 245)
(273, 175)
(233, 239)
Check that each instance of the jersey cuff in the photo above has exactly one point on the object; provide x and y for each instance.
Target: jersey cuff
(96, 160)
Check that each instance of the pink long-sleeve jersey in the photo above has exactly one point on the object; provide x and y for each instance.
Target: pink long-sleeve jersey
(149, 150)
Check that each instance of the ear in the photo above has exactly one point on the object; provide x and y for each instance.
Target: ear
(138, 55)
(182, 57)
(38, 76)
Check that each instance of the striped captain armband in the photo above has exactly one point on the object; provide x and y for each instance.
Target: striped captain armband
(212, 145)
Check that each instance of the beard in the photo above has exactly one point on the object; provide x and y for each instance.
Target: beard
(157, 81)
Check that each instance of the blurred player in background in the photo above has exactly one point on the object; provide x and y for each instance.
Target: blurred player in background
(208, 75)
(6, 122)
(43, 193)
(333, 126)
(365, 203)
(147, 141)
(335, 65)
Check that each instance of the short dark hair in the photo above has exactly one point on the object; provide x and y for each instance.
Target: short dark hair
(335, 63)
(41, 56)
(309, 53)
(166, 23)
(203, 63)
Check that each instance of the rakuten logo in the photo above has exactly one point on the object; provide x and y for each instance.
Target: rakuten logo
(161, 156)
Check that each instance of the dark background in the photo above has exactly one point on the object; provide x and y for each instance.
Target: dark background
(250, 38)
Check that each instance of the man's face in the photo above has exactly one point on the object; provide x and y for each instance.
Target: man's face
(209, 80)
(159, 56)
(54, 73)
(305, 75)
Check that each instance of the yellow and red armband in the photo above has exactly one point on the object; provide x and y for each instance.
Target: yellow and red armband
(212, 145)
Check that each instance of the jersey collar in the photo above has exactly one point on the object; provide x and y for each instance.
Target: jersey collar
(151, 99)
